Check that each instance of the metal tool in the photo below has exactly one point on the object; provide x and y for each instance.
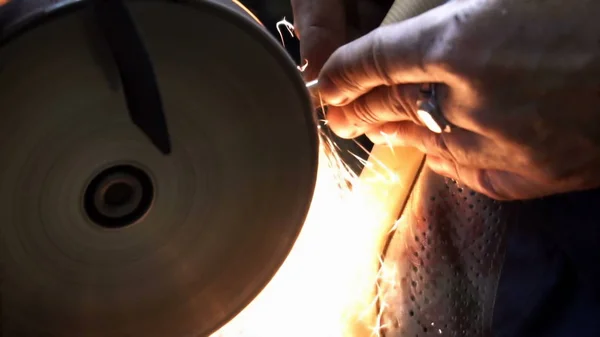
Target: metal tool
(310, 85)
(103, 235)
(429, 112)
(428, 109)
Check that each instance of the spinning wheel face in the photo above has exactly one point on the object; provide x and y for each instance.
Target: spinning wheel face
(103, 235)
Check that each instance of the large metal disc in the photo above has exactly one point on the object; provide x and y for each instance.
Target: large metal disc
(101, 234)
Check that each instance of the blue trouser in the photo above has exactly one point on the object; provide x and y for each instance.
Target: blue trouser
(550, 283)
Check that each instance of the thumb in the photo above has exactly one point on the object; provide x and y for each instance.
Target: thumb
(392, 54)
(321, 27)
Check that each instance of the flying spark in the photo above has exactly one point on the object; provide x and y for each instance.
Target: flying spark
(332, 281)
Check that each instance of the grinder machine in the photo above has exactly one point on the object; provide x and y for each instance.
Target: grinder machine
(147, 189)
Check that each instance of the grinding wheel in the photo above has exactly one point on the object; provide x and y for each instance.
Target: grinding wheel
(102, 234)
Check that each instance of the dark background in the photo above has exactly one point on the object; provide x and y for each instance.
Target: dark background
(272, 11)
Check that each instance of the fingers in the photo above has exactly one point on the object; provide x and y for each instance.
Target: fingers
(480, 180)
(380, 105)
(497, 184)
(473, 160)
(393, 54)
(321, 27)
(460, 146)
(409, 134)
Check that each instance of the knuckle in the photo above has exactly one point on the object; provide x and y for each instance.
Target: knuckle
(401, 101)
(539, 161)
(440, 146)
(428, 144)
(486, 184)
(361, 113)
(451, 149)
(378, 58)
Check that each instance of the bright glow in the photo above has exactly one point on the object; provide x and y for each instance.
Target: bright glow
(248, 11)
(327, 285)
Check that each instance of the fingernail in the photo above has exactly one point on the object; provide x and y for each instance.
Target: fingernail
(336, 101)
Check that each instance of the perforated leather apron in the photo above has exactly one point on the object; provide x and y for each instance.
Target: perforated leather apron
(448, 252)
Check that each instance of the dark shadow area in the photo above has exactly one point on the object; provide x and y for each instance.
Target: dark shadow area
(272, 11)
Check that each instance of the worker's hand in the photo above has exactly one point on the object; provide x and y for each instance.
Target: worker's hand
(519, 80)
(324, 25)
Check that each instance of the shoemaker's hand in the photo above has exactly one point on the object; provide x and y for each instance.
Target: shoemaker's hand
(518, 80)
(324, 25)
